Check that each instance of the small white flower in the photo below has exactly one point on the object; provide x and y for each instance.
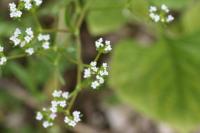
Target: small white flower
(1, 49)
(38, 2)
(29, 51)
(45, 45)
(3, 60)
(94, 84)
(170, 18)
(39, 116)
(153, 9)
(54, 103)
(27, 39)
(29, 31)
(53, 109)
(65, 95)
(57, 93)
(72, 123)
(105, 65)
(93, 63)
(164, 8)
(66, 120)
(87, 73)
(47, 124)
(14, 12)
(100, 79)
(108, 48)
(53, 116)
(62, 103)
(99, 43)
(76, 115)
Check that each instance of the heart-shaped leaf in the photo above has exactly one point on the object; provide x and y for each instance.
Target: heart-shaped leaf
(160, 80)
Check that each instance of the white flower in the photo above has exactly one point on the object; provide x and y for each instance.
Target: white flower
(23, 43)
(65, 95)
(14, 38)
(39, 116)
(164, 8)
(170, 18)
(66, 120)
(72, 123)
(62, 103)
(87, 73)
(105, 65)
(45, 45)
(108, 48)
(38, 2)
(53, 109)
(47, 124)
(29, 51)
(94, 84)
(27, 39)
(76, 115)
(1, 49)
(100, 79)
(14, 12)
(53, 116)
(93, 63)
(99, 43)
(29, 31)
(42, 37)
(57, 93)
(54, 103)
(153, 9)
(3, 60)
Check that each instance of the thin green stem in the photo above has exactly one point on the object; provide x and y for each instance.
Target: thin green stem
(35, 17)
(16, 56)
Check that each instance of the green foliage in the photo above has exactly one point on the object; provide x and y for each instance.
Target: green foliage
(191, 19)
(105, 16)
(161, 80)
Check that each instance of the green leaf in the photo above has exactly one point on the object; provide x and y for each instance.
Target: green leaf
(160, 80)
(191, 19)
(105, 16)
(23, 76)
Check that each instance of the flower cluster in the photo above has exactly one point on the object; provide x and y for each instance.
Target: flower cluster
(75, 118)
(102, 46)
(98, 73)
(24, 40)
(160, 15)
(45, 40)
(15, 12)
(3, 59)
(58, 104)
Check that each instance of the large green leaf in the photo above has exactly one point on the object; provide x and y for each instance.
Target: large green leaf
(161, 80)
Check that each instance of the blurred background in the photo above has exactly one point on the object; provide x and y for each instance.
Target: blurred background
(154, 83)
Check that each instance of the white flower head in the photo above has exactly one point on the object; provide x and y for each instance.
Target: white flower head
(14, 12)
(1, 49)
(3, 60)
(53, 116)
(57, 93)
(29, 51)
(155, 14)
(87, 73)
(164, 8)
(63, 104)
(65, 95)
(39, 116)
(95, 84)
